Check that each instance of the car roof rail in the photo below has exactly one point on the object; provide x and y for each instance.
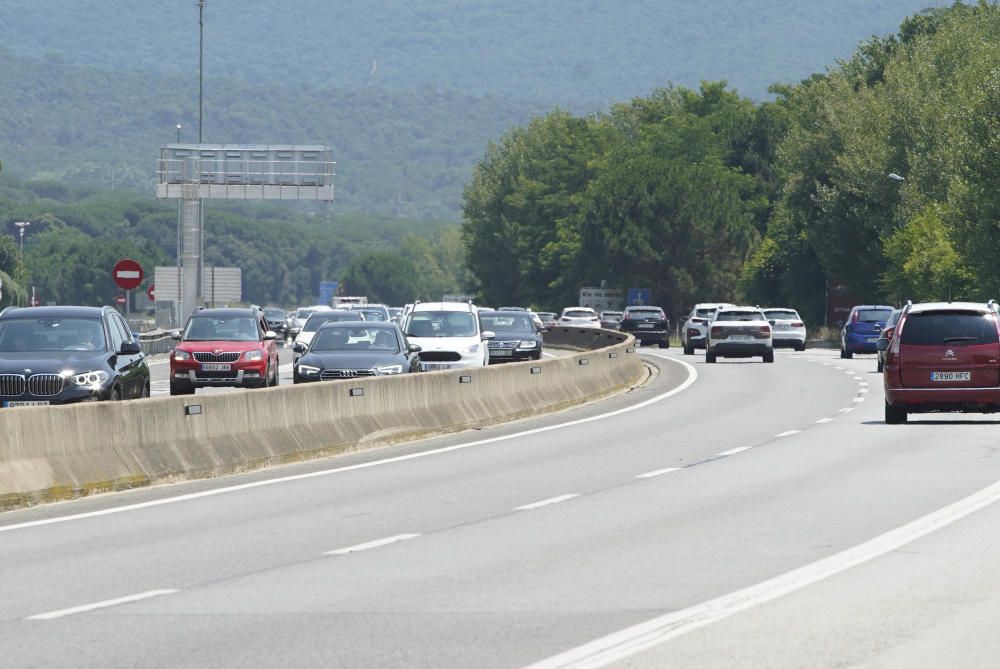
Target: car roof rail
(992, 304)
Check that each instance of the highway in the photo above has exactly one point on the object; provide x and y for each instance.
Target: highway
(735, 514)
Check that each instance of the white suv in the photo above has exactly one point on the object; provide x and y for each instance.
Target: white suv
(739, 332)
(449, 335)
(695, 328)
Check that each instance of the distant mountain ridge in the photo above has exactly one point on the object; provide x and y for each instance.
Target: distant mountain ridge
(574, 53)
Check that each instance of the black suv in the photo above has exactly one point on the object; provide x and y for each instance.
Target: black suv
(58, 355)
(516, 337)
(647, 325)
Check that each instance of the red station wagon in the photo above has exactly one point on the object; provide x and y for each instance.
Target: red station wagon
(942, 356)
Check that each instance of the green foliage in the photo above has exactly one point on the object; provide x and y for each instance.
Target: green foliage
(12, 272)
(926, 266)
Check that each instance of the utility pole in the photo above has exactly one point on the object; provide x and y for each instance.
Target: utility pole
(201, 61)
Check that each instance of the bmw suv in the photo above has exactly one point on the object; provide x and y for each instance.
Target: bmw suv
(224, 347)
(943, 356)
(59, 355)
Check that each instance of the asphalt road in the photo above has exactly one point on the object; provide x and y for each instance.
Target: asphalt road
(736, 514)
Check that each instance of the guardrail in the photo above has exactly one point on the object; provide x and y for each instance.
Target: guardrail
(61, 452)
(156, 343)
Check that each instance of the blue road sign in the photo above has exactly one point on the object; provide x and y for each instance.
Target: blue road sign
(639, 297)
(327, 289)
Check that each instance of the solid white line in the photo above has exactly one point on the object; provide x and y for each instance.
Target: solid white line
(658, 472)
(372, 544)
(734, 451)
(787, 434)
(692, 377)
(52, 615)
(638, 638)
(823, 421)
(545, 502)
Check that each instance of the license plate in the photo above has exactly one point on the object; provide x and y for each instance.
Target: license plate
(500, 353)
(215, 367)
(782, 326)
(645, 326)
(739, 337)
(430, 367)
(27, 403)
(951, 376)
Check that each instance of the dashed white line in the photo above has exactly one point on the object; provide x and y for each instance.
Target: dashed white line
(62, 613)
(734, 451)
(839, 367)
(658, 472)
(823, 421)
(863, 390)
(858, 378)
(828, 364)
(545, 502)
(787, 434)
(858, 399)
(847, 410)
(372, 544)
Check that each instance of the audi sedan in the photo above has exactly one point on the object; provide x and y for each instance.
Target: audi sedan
(349, 349)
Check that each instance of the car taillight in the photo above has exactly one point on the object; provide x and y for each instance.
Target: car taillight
(798, 324)
(762, 332)
(693, 332)
(765, 329)
(699, 321)
(854, 317)
(717, 331)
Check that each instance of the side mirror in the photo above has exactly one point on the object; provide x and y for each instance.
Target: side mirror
(882, 344)
(415, 348)
(270, 334)
(771, 322)
(176, 334)
(487, 335)
(131, 348)
(299, 347)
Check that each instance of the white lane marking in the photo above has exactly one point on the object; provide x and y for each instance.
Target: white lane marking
(372, 544)
(858, 399)
(863, 390)
(823, 421)
(838, 367)
(863, 383)
(62, 613)
(734, 451)
(787, 434)
(827, 364)
(643, 636)
(847, 410)
(858, 378)
(692, 377)
(545, 502)
(658, 472)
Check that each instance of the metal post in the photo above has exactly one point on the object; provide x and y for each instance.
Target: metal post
(201, 61)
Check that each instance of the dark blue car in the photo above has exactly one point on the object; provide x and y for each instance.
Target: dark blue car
(862, 329)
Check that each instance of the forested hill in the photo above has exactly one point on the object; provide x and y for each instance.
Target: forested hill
(565, 52)
(398, 153)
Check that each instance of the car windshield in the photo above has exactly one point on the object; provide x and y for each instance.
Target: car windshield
(221, 328)
(873, 315)
(612, 315)
(704, 313)
(740, 316)
(52, 334)
(546, 316)
(645, 313)
(949, 328)
(441, 324)
(372, 314)
(318, 319)
(781, 315)
(578, 313)
(507, 323)
(274, 314)
(357, 338)
(303, 314)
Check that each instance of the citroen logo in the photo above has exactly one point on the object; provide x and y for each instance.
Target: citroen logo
(949, 355)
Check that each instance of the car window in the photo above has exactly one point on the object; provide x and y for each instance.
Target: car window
(118, 335)
(357, 338)
(222, 328)
(507, 323)
(578, 313)
(949, 328)
(645, 313)
(873, 315)
(316, 320)
(303, 314)
(781, 315)
(441, 324)
(52, 334)
(704, 313)
(740, 316)
(372, 314)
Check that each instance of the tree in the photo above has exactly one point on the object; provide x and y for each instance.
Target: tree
(382, 276)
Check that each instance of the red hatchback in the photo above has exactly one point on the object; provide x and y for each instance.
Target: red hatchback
(942, 356)
(224, 347)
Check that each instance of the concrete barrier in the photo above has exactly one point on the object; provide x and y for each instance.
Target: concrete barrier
(51, 453)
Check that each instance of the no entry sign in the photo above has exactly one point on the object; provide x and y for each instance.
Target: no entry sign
(127, 274)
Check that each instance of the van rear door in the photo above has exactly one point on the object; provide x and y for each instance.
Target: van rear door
(949, 349)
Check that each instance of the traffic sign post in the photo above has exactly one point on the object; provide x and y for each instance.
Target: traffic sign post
(151, 292)
(127, 274)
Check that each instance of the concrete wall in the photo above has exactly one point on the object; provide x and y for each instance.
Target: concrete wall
(50, 453)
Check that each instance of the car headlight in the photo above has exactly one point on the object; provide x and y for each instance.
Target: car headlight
(181, 355)
(253, 356)
(527, 344)
(306, 370)
(390, 369)
(94, 378)
(472, 349)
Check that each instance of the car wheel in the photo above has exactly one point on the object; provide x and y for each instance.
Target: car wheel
(845, 354)
(145, 391)
(664, 344)
(277, 378)
(181, 390)
(894, 414)
(116, 394)
(689, 350)
(709, 357)
(769, 356)
(800, 347)
(880, 366)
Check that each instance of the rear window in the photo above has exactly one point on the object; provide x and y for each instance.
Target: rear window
(782, 315)
(874, 315)
(645, 313)
(705, 313)
(578, 313)
(949, 328)
(740, 316)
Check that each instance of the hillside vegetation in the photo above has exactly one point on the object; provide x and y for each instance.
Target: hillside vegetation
(574, 53)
